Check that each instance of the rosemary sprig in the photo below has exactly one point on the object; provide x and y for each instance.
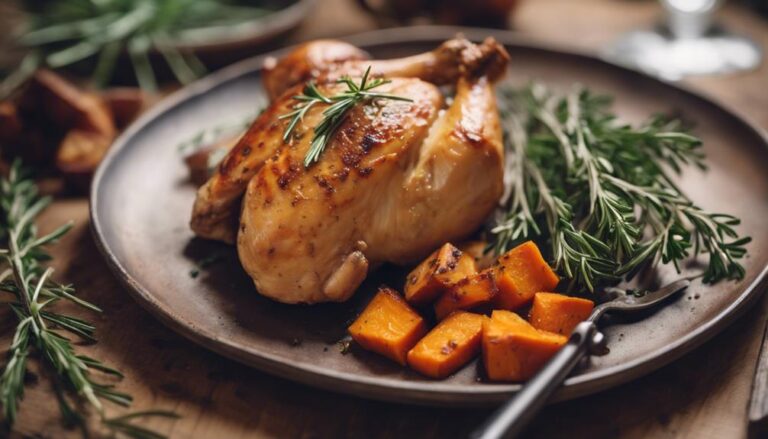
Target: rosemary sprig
(333, 116)
(64, 32)
(41, 331)
(601, 193)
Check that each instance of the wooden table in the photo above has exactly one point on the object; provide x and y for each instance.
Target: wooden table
(703, 395)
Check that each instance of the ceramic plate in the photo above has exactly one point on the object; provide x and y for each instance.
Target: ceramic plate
(141, 202)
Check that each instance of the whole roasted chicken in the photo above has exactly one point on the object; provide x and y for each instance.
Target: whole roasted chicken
(396, 180)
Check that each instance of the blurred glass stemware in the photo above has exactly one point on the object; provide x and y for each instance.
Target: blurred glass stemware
(688, 43)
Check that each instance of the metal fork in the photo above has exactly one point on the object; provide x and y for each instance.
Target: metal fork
(510, 419)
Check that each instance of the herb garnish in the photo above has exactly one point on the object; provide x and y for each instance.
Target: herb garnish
(333, 116)
(213, 258)
(40, 331)
(601, 193)
(66, 32)
(344, 345)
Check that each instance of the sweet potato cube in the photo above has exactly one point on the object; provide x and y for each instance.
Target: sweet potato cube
(448, 346)
(476, 249)
(439, 271)
(558, 313)
(388, 326)
(513, 350)
(473, 291)
(521, 273)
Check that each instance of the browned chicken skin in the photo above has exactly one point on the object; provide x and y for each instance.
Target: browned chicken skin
(397, 180)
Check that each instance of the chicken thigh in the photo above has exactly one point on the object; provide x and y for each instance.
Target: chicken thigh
(397, 180)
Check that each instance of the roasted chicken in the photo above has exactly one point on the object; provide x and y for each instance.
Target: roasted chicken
(396, 181)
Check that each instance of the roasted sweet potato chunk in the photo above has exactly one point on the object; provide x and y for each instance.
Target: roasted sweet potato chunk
(476, 249)
(558, 313)
(388, 326)
(81, 151)
(513, 350)
(439, 271)
(521, 273)
(471, 292)
(449, 346)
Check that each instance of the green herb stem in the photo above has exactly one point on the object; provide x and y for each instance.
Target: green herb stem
(39, 329)
(65, 32)
(602, 194)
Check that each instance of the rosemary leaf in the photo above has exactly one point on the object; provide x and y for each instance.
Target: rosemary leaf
(602, 193)
(40, 330)
(65, 32)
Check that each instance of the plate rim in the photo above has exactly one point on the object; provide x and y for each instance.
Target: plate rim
(393, 389)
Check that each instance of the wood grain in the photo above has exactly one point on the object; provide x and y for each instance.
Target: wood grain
(758, 404)
(703, 395)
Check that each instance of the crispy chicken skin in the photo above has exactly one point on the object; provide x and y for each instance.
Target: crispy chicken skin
(397, 180)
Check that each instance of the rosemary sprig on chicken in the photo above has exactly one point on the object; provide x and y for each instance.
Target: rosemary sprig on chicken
(41, 331)
(601, 193)
(339, 106)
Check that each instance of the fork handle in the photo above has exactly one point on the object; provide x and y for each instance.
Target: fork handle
(511, 418)
(758, 404)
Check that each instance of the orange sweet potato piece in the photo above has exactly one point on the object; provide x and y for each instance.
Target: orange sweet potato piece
(473, 291)
(440, 270)
(513, 350)
(388, 326)
(80, 151)
(476, 249)
(449, 346)
(558, 313)
(521, 273)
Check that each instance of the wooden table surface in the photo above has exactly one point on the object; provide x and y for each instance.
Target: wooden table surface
(702, 395)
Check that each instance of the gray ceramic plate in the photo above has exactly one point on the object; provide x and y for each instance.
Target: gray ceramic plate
(141, 202)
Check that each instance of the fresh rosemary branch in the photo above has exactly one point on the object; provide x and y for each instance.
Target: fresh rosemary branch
(601, 193)
(333, 116)
(64, 32)
(41, 331)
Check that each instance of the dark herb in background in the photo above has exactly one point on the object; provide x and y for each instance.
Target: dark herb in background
(59, 33)
(600, 194)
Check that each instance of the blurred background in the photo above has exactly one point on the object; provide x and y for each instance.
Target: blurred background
(76, 72)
